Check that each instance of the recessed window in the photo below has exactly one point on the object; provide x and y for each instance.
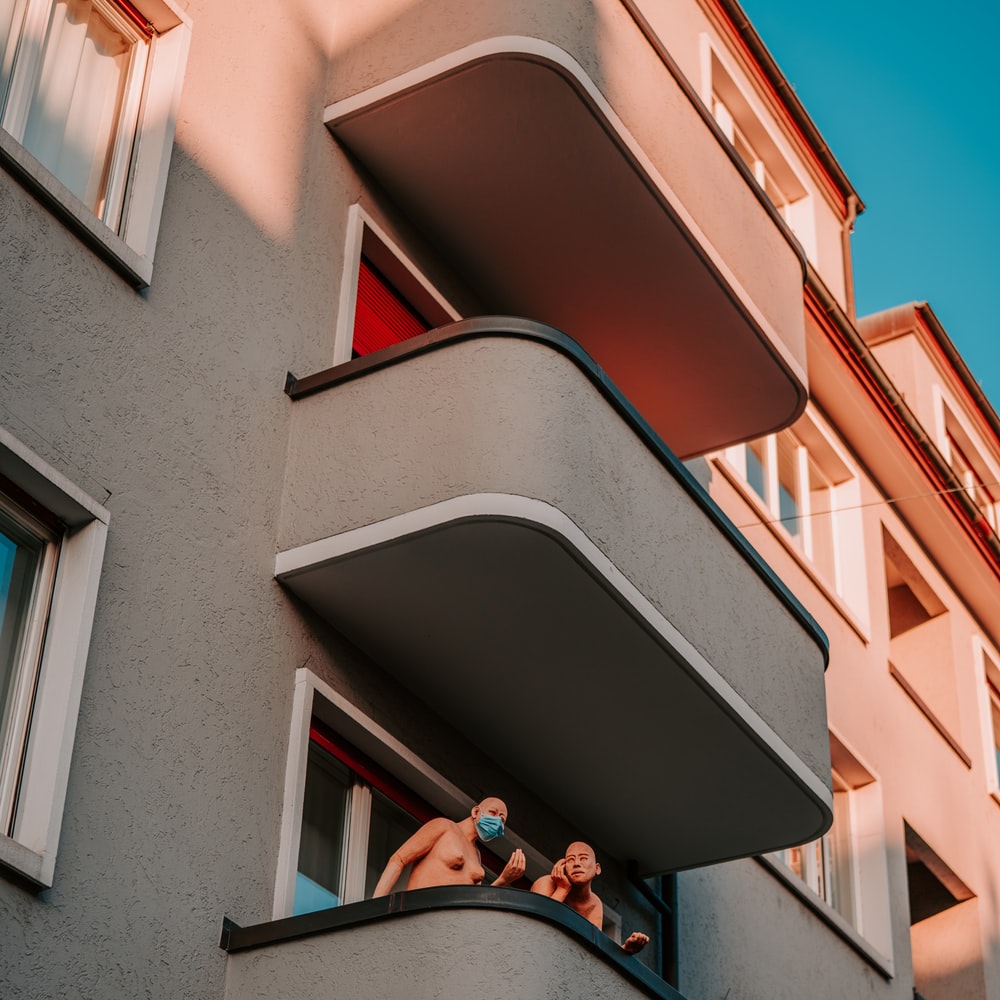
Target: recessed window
(29, 549)
(382, 316)
(51, 548)
(972, 470)
(921, 651)
(353, 818)
(806, 491)
(827, 865)
(843, 876)
(385, 298)
(753, 142)
(353, 796)
(87, 90)
(991, 689)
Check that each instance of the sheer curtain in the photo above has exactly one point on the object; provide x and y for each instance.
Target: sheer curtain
(77, 100)
(8, 9)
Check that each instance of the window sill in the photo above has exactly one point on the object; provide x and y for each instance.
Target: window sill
(884, 966)
(55, 196)
(16, 858)
(776, 530)
(900, 678)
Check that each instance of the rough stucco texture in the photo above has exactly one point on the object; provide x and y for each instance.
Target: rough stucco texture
(512, 416)
(450, 955)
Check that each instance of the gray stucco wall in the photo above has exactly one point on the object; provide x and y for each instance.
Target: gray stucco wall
(744, 936)
(167, 407)
(447, 955)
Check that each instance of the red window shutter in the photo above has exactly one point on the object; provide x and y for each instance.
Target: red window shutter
(381, 316)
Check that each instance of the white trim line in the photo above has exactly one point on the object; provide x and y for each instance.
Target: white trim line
(358, 220)
(540, 514)
(828, 915)
(546, 52)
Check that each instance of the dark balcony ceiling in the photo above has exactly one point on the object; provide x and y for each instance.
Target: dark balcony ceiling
(506, 620)
(515, 167)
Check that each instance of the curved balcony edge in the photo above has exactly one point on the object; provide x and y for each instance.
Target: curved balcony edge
(235, 938)
(518, 327)
(560, 176)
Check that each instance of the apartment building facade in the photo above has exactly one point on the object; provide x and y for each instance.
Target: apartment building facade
(349, 360)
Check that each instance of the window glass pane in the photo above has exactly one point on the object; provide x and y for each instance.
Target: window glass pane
(840, 892)
(8, 9)
(821, 520)
(20, 561)
(788, 488)
(995, 712)
(755, 468)
(77, 100)
(793, 858)
(323, 846)
(391, 826)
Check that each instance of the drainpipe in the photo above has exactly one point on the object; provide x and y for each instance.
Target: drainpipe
(845, 236)
(666, 912)
(830, 306)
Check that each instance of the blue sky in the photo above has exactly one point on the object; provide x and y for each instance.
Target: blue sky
(906, 95)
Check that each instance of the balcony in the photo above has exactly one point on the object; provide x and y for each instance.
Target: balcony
(559, 156)
(481, 502)
(435, 942)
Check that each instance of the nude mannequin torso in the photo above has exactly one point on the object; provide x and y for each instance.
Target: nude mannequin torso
(570, 883)
(451, 861)
(579, 898)
(443, 852)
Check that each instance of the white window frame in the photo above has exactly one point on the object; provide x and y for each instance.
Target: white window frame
(314, 697)
(23, 680)
(128, 238)
(774, 165)
(30, 844)
(867, 928)
(847, 584)
(983, 469)
(366, 237)
(987, 662)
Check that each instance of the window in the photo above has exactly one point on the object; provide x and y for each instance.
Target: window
(384, 299)
(741, 121)
(805, 490)
(843, 876)
(354, 815)
(826, 865)
(52, 540)
(967, 469)
(28, 551)
(353, 795)
(990, 697)
(993, 686)
(921, 653)
(943, 910)
(88, 91)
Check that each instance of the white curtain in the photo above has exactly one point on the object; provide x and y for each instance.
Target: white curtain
(77, 102)
(7, 10)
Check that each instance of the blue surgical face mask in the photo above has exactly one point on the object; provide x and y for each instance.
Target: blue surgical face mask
(489, 828)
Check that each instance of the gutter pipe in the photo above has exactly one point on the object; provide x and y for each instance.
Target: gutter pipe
(861, 350)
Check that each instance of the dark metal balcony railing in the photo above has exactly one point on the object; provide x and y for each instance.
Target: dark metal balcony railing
(633, 977)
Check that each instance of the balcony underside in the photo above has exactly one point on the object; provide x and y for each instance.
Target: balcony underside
(503, 616)
(507, 156)
(515, 546)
